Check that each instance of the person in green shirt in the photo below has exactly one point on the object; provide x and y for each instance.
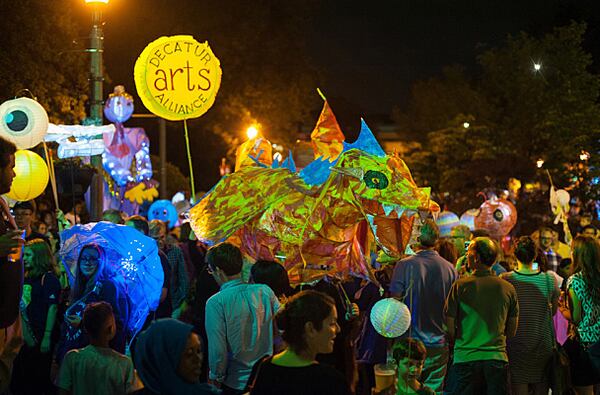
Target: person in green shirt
(481, 312)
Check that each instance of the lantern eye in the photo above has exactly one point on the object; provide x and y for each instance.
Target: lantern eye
(498, 215)
(16, 120)
(23, 121)
(375, 179)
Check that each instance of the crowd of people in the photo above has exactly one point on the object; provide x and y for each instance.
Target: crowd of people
(483, 320)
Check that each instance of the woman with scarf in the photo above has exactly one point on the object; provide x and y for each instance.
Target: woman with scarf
(168, 359)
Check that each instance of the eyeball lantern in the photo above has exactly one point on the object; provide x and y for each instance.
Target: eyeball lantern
(497, 216)
(23, 121)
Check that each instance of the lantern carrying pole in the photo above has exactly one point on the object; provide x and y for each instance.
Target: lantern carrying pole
(50, 164)
(189, 155)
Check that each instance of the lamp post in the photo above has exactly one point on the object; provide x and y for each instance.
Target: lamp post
(96, 103)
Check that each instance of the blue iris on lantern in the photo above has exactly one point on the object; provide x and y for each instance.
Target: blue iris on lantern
(16, 120)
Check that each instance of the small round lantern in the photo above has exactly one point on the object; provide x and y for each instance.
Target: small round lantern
(23, 121)
(446, 220)
(390, 317)
(468, 218)
(31, 176)
(497, 216)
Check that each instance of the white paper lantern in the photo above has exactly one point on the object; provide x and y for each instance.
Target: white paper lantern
(390, 317)
(23, 121)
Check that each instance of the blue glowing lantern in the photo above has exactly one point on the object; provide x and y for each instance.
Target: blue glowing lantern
(164, 211)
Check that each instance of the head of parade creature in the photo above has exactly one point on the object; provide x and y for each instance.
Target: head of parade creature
(323, 220)
(119, 106)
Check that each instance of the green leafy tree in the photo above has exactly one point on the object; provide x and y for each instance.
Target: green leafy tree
(38, 54)
(516, 115)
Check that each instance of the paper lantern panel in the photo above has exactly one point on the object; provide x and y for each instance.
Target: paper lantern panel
(468, 218)
(446, 221)
(390, 317)
(31, 176)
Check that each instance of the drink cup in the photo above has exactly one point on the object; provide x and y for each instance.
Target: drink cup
(385, 375)
(17, 253)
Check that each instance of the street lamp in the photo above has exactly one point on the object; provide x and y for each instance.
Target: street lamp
(251, 132)
(539, 163)
(96, 50)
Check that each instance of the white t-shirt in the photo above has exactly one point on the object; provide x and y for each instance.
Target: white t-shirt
(97, 371)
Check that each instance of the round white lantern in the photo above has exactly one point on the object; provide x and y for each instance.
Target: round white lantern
(390, 317)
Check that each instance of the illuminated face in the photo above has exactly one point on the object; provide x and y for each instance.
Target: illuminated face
(546, 239)
(23, 218)
(88, 262)
(28, 257)
(322, 341)
(43, 228)
(410, 369)
(7, 174)
(190, 363)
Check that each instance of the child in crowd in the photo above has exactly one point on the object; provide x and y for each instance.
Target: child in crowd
(410, 355)
(97, 369)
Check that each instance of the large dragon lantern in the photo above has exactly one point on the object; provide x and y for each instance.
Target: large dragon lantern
(323, 220)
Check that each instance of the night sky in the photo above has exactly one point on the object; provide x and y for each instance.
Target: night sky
(369, 53)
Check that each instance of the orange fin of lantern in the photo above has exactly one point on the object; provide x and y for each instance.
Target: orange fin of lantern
(327, 138)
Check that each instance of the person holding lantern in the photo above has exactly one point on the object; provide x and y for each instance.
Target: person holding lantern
(92, 285)
(11, 271)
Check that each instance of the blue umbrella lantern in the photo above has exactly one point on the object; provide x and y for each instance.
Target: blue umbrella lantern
(131, 261)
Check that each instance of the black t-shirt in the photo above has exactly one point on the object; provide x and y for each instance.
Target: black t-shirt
(314, 379)
(11, 284)
(38, 298)
(165, 308)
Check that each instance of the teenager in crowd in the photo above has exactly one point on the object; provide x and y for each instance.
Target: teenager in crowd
(308, 322)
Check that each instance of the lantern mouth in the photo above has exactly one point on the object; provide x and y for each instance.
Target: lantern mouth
(31, 176)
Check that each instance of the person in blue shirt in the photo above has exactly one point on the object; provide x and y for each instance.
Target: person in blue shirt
(239, 321)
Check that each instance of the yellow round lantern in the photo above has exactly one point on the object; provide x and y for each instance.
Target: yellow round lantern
(31, 176)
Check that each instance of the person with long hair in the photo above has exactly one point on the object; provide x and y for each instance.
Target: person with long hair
(91, 285)
(308, 324)
(447, 250)
(530, 350)
(583, 289)
(41, 290)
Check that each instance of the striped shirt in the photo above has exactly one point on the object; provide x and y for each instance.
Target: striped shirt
(531, 347)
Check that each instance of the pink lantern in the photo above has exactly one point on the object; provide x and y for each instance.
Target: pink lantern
(497, 216)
